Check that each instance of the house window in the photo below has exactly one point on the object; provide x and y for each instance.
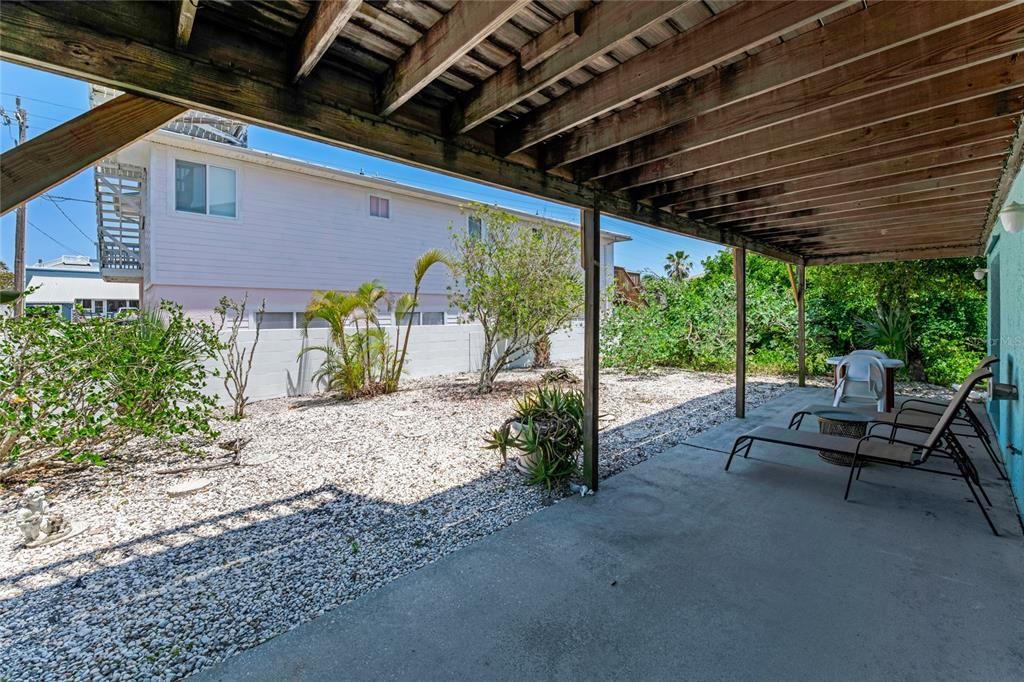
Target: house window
(402, 320)
(432, 318)
(380, 207)
(476, 227)
(315, 323)
(277, 321)
(202, 189)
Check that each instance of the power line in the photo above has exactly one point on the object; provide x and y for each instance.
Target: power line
(55, 197)
(42, 101)
(63, 213)
(51, 238)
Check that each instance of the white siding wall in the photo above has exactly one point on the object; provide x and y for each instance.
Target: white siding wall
(293, 231)
(451, 349)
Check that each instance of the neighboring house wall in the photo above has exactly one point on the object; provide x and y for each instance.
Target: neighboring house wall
(298, 228)
(1006, 333)
(70, 279)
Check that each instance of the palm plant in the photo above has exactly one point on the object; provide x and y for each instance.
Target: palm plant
(406, 305)
(677, 266)
(342, 369)
(889, 330)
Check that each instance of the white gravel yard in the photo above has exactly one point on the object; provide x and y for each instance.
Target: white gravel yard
(336, 499)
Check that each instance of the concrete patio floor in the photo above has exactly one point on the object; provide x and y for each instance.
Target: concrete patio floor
(679, 570)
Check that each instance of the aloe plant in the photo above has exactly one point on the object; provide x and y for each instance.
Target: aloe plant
(890, 330)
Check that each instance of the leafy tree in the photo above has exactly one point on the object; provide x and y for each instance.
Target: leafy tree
(519, 282)
(939, 324)
(678, 265)
(6, 277)
(78, 392)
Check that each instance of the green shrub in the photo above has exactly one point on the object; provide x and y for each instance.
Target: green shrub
(548, 428)
(947, 362)
(79, 391)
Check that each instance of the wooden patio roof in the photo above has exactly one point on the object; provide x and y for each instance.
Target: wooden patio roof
(816, 131)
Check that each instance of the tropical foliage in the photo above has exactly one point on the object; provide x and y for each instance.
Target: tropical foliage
(931, 313)
(361, 358)
(677, 265)
(520, 282)
(548, 429)
(75, 393)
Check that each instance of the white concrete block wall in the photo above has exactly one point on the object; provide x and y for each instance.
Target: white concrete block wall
(450, 349)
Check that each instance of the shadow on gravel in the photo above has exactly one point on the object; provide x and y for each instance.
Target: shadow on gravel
(178, 600)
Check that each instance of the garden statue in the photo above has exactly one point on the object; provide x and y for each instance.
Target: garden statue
(37, 523)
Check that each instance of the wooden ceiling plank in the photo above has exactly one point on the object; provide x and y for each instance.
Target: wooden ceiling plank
(185, 17)
(961, 234)
(816, 215)
(30, 168)
(959, 228)
(945, 221)
(120, 46)
(322, 26)
(855, 37)
(885, 195)
(456, 33)
(883, 76)
(602, 27)
(924, 253)
(876, 120)
(777, 234)
(727, 34)
(851, 184)
(976, 120)
(561, 34)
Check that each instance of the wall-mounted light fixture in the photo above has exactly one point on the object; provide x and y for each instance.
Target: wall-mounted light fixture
(980, 273)
(1012, 217)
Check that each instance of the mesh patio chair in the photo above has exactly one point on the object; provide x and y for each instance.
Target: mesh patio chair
(885, 448)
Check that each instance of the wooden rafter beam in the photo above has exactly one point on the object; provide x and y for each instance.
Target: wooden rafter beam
(857, 37)
(31, 168)
(872, 256)
(727, 34)
(885, 239)
(217, 75)
(895, 229)
(935, 60)
(602, 28)
(322, 26)
(456, 33)
(988, 139)
(186, 17)
(782, 234)
(876, 119)
(883, 196)
(907, 208)
(977, 120)
(561, 34)
(851, 184)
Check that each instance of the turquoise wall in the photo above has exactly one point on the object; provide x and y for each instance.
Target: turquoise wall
(1006, 339)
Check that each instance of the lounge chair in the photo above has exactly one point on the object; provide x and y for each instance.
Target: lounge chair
(885, 448)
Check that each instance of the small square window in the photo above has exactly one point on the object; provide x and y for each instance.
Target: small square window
(476, 227)
(206, 190)
(432, 318)
(380, 207)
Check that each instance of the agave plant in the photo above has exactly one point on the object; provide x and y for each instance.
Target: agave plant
(889, 330)
(548, 429)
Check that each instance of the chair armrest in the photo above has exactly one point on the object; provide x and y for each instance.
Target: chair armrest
(887, 439)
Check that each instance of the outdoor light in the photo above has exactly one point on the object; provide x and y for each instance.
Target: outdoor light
(1012, 217)
(980, 273)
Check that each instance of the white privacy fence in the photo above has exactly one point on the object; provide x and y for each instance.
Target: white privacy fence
(278, 371)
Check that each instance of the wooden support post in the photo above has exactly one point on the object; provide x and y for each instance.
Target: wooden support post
(590, 219)
(801, 329)
(30, 169)
(740, 269)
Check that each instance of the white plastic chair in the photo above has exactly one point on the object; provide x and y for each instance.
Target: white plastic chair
(863, 379)
(873, 353)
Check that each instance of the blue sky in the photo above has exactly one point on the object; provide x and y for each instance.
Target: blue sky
(66, 222)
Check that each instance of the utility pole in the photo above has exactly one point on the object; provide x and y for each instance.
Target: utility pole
(20, 217)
